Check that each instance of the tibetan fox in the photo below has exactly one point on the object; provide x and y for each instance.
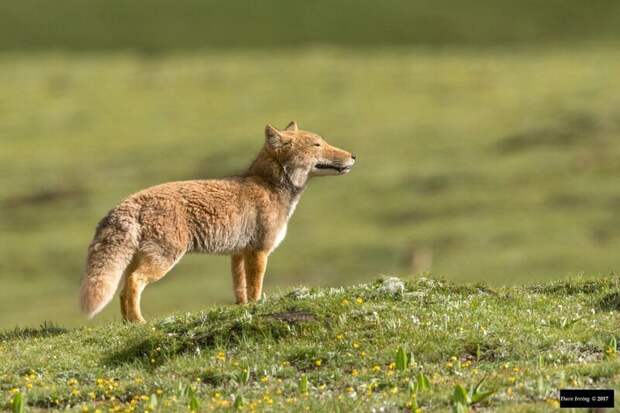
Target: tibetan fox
(244, 216)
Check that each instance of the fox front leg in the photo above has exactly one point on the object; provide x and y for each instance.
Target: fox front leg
(239, 280)
(255, 265)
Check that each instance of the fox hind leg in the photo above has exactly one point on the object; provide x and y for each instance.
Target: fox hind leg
(145, 270)
(124, 290)
(255, 265)
(130, 297)
(237, 265)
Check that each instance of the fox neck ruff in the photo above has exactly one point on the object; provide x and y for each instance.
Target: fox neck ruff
(271, 170)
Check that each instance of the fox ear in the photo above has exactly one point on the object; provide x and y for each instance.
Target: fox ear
(292, 127)
(273, 137)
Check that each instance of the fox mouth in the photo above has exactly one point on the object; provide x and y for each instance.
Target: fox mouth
(339, 169)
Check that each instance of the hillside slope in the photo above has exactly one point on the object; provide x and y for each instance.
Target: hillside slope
(331, 350)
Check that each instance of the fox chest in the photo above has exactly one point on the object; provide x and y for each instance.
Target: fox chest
(279, 237)
(281, 233)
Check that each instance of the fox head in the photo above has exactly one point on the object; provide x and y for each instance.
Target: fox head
(304, 154)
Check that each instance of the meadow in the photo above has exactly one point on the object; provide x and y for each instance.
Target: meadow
(477, 165)
(391, 345)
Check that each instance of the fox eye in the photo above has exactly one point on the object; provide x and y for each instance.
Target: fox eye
(317, 144)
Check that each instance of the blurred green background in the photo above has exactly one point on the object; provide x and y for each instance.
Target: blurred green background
(488, 136)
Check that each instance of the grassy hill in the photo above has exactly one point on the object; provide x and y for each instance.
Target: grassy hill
(336, 349)
(497, 166)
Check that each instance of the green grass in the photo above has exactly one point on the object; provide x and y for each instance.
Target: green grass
(502, 165)
(332, 350)
(157, 26)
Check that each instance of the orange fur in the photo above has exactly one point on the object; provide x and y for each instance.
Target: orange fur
(244, 216)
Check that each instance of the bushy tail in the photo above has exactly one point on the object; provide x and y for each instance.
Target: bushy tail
(109, 254)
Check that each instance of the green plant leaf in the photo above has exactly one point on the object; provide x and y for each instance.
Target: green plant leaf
(423, 382)
(613, 345)
(480, 396)
(17, 405)
(459, 408)
(479, 384)
(182, 390)
(303, 384)
(194, 405)
(244, 376)
(413, 387)
(402, 359)
(239, 402)
(460, 395)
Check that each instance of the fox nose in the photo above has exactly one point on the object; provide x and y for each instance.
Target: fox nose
(354, 157)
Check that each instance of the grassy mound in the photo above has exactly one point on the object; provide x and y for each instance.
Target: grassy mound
(390, 345)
